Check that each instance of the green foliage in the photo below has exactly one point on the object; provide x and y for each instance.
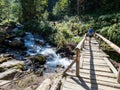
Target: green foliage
(76, 39)
(61, 8)
(112, 33)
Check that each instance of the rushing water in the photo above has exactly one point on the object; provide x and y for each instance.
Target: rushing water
(53, 59)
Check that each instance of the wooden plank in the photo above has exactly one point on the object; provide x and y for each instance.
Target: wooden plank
(105, 69)
(96, 59)
(111, 66)
(95, 55)
(92, 57)
(98, 77)
(71, 84)
(102, 65)
(97, 50)
(45, 85)
(95, 62)
(98, 66)
(106, 74)
(87, 85)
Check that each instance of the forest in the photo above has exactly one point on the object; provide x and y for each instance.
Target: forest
(58, 24)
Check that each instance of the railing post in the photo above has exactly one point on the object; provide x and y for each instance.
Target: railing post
(118, 77)
(84, 42)
(77, 61)
(99, 43)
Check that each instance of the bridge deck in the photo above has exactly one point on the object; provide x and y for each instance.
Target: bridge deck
(95, 73)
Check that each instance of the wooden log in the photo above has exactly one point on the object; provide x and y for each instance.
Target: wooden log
(56, 84)
(77, 62)
(8, 74)
(69, 67)
(112, 45)
(3, 59)
(11, 63)
(118, 76)
(45, 85)
(79, 46)
(111, 66)
(3, 82)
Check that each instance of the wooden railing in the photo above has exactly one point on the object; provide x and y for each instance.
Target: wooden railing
(77, 59)
(116, 48)
(81, 45)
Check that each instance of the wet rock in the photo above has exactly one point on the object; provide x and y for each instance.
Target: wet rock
(60, 66)
(67, 50)
(38, 59)
(16, 42)
(40, 42)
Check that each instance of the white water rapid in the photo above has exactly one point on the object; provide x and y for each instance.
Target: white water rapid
(53, 59)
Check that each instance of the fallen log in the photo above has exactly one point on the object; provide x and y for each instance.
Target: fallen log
(45, 85)
(4, 66)
(9, 74)
(3, 59)
(3, 82)
(56, 84)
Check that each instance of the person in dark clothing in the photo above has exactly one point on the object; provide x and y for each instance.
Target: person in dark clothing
(90, 33)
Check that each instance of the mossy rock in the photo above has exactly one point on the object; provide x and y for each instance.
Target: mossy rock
(41, 59)
(38, 59)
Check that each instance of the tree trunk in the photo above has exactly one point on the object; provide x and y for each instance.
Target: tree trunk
(78, 7)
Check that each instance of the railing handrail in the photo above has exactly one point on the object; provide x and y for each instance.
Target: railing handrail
(79, 46)
(111, 44)
(77, 59)
(115, 47)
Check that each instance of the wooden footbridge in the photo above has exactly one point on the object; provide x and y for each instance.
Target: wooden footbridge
(93, 71)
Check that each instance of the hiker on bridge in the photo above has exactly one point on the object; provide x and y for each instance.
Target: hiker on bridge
(90, 33)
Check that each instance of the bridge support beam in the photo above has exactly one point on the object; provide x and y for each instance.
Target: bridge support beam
(77, 62)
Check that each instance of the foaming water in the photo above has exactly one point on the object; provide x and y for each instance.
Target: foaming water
(53, 59)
